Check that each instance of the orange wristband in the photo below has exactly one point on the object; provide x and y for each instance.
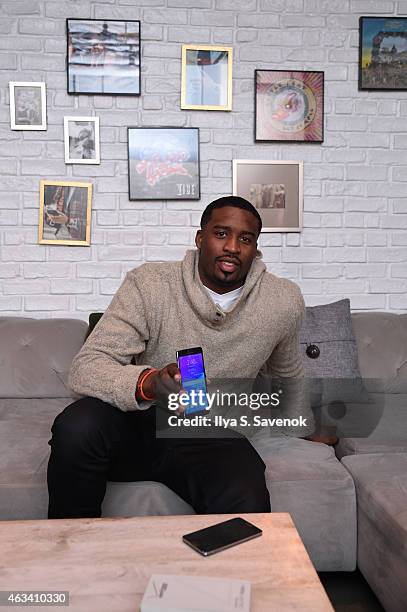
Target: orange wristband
(142, 378)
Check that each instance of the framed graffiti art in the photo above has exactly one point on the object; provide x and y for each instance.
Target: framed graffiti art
(289, 106)
(163, 163)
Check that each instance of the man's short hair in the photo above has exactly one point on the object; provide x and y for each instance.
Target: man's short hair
(234, 201)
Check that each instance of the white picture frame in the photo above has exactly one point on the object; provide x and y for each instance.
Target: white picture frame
(82, 140)
(28, 105)
(275, 188)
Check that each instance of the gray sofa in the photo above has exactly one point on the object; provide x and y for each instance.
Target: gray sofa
(347, 506)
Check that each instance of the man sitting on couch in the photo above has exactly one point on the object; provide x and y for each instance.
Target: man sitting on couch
(220, 297)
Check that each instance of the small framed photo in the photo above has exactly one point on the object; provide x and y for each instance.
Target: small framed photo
(289, 105)
(275, 188)
(383, 53)
(206, 77)
(163, 163)
(103, 56)
(81, 138)
(28, 106)
(65, 213)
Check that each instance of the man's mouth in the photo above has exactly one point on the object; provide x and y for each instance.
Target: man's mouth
(228, 265)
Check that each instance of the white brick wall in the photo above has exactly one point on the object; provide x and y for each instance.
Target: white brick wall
(354, 242)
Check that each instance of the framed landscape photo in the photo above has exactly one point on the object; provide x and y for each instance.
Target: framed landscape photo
(383, 53)
(103, 56)
(28, 106)
(65, 213)
(81, 139)
(163, 163)
(206, 82)
(275, 188)
(289, 105)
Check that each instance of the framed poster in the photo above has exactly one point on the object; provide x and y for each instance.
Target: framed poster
(103, 56)
(81, 139)
(28, 106)
(65, 210)
(289, 105)
(383, 53)
(206, 82)
(275, 188)
(163, 163)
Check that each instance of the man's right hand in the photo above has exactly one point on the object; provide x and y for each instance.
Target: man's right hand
(163, 382)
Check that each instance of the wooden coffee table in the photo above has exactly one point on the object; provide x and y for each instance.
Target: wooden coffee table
(105, 564)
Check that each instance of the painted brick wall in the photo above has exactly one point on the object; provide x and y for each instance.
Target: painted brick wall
(354, 242)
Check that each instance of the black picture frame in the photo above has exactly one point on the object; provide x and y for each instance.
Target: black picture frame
(163, 163)
(105, 48)
(382, 68)
(289, 106)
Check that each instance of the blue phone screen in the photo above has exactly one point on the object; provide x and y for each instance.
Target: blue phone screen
(193, 379)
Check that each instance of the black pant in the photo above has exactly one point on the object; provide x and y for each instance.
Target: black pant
(93, 442)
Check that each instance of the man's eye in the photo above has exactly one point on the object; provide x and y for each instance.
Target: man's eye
(220, 233)
(246, 239)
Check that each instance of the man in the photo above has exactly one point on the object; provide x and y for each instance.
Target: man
(220, 297)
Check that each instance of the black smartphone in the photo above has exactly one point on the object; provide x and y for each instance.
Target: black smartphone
(191, 364)
(222, 535)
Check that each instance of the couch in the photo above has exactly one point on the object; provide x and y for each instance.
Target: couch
(349, 503)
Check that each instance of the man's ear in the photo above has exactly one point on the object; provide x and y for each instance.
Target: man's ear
(198, 239)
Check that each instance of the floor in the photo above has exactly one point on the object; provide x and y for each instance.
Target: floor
(349, 592)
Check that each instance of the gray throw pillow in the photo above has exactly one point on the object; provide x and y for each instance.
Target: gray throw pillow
(330, 355)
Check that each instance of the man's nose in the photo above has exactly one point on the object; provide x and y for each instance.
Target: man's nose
(232, 244)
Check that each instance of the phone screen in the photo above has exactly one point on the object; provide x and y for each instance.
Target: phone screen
(191, 365)
(223, 535)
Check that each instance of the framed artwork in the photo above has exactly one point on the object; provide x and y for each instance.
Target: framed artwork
(206, 82)
(103, 56)
(28, 106)
(163, 163)
(383, 53)
(65, 210)
(289, 105)
(275, 188)
(81, 139)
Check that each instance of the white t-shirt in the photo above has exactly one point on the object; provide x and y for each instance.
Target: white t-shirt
(225, 300)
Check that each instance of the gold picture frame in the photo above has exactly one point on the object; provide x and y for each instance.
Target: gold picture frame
(206, 82)
(65, 213)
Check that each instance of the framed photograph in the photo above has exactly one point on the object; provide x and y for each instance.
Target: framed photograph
(103, 56)
(289, 105)
(65, 209)
(28, 106)
(163, 163)
(383, 53)
(275, 188)
(206, 77)
(81, 138)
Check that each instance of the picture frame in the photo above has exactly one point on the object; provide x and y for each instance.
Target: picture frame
(81, 140)
(163, 163)
(206, 80)
(65, 213)
(103, 56)
(382, 53)
(289, 106)
(275, 188)
(28, 105)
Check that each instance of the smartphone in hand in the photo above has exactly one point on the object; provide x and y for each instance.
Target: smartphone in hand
(191, 365)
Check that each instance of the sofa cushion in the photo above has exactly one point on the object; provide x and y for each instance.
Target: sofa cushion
(36, 354)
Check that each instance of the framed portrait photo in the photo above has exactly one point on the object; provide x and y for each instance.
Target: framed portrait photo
(65, 213)
(28, 106)
(163, 163)
(81, 139)
(289, 106)
(206, 82)
(103, 56)
(275, 188)
(383, 53)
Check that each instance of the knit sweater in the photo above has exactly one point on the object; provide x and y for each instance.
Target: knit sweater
(163, 307)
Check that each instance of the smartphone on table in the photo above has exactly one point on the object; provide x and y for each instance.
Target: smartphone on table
(221, 536)
(191, 365)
